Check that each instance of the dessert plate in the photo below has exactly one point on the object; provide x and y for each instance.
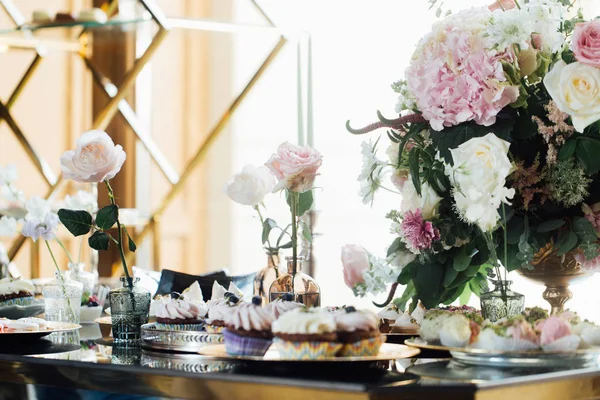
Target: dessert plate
(182, 341)
(497, 358)
(53, 327)
(387, 352)
(16, 311)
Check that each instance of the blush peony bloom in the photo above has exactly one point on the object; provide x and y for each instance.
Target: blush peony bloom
(455, 79)
(586, 43)
(295, 167)
(417, 233)
(95, 158)
(355, 261)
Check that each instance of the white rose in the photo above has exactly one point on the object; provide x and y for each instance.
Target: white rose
(250, 186)
(481, 166)
(575, 88)
(95, 158)
(428, 202)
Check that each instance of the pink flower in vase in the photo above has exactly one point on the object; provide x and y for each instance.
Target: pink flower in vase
(295, 167)
(418, 234)
(586, 43)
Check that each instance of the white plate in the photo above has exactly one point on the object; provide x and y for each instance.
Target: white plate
(53, 327)
(16, 311)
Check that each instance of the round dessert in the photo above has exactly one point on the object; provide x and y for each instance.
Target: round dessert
(248, 330)
(16, 292)
(556, 335)
(181, 312)
(458, 331)
(306, 334)
(219, 311)
(387, 317)
(512, 334)
(282, 305)
(358, 332)
(11, 326)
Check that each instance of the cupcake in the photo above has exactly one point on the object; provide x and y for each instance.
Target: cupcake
(218, 291)
(432, 324)
(219, 311)
(306, 334)
(556, 335)
(282, 305)
(248, 330)
(406, 324)
(358, 331)
(458, 331)
(15, 292)
(181, 312)
(418, 313)
(387, 317)
(513, 334)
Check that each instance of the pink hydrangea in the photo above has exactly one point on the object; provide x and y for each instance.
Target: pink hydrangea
(418, 234)
(455, 79)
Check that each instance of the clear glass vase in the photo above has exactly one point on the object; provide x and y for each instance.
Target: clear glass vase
(265, 277)
(501, 302)
(303, 288)
(62, 299)
(129, 309)
(78, 273)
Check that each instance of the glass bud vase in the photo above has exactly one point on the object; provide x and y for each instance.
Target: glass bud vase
(266, 277)
(501, 302)
(129, 309)
(303, 288)
(62, 299)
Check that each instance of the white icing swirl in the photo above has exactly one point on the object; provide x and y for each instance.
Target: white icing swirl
(169, 308)
(14, 286)
(219, 310)
(250, 317)
(356, 321)
(302, 321)
(279, 307)
(406, 321)
(390, 313)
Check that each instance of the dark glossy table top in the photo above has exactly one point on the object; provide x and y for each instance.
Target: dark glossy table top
(85, 361)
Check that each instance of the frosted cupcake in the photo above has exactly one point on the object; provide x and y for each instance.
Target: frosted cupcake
(418, 313)
(219, 311)
(248, 331)
(514, 334)
(387, 317)
(282, 305)
(181, 312)
(306, 334)
(16, 292)
(358, 332)
(405, 324)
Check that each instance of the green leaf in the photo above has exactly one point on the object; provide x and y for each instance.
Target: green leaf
(305, 202)
(587, 151)
(77, 222)
(107, 217)
(306, 234)
(567, 150)
(584, 229)
(268, 225)
(394, 247)
(409, 292)
(287, 245)
(99, 241)
(413, 163)
(130, 243)
(427, 281)
(406, 275)
(566, 242)
(463, 257)
(465, 295)
(549, 226)
(282, 234)
(515, 229)
(449, 276)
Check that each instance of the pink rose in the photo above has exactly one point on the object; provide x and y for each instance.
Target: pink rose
(95, 158)
(355, 260)
(553, 329)
(592, 214)
(586, 43)
(295, 167)
(502, 5)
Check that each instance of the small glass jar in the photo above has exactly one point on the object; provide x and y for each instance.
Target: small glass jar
(501, 302)
(303, 288)
(265, 277)
(129, 309)
(62, 299)
(78, 273)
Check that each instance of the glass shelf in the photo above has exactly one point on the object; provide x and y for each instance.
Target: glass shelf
(73, 24)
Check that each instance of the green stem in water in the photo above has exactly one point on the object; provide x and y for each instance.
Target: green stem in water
(505, 243)
(294, 208)
(60, 277)
(111, 196)
(270, 251)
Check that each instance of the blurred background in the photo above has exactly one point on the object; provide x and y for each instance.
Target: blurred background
(327, 61)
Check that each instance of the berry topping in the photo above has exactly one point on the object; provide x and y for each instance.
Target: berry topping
(287, 297)
(228, 294)
(257, 300)
(233, 299)
(175, 295)
(350, 309)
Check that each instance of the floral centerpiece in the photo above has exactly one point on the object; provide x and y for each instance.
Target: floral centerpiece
(495, 152)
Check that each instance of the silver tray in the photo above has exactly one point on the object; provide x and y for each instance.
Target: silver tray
(183, 362)
(182, 341)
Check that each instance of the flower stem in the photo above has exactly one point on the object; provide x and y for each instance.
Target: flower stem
(294, 208)
(111, 196)
(60, 277)
(270, 251)
(65, 249)
(504, 224)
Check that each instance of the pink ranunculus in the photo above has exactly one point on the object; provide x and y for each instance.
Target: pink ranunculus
(502, 5)
(586, 43)
(592, 214)
(295, 167)
(95, 158)
(355, 261)
(418, 234)
(553, 329)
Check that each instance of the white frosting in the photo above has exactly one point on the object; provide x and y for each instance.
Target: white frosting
(279, 307)
(250, 317)
(235, 290)
(166, 307)
(14, 286)
(456, 331)
(419, 313)
(406, 321)
(42, 323)
(219, 310)
(20, 326)
(302, 321)
(193, 293)
(218, 291)
(391, 313)
(430, 327)
(356, 321)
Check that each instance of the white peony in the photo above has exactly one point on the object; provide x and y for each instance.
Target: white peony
(95, 158)
(481, 166)
(250, 186)
(575, 89)
(428, 202)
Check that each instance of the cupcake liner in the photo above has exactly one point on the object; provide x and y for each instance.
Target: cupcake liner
(566, 343)
(238, 345)
(306, 350)
(363, 348)
(179, 327)
(19, 301)
(214, 328)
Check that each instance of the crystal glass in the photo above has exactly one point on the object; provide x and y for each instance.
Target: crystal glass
(266, 276)
(78, 273)
(501, 302)
(129, 309)
(303, 288)
(62, 299)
